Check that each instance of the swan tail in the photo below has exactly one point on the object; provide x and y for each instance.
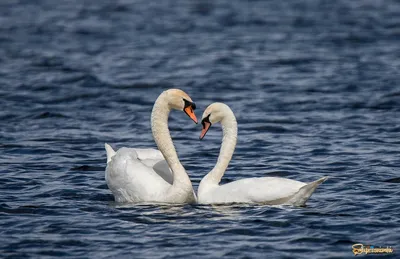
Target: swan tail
(110, 152)
(300, 198)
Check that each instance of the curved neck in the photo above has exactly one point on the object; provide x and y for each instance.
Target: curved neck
(229, 129)
(162, 137)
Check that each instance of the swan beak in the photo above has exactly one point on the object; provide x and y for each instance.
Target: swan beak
(189, 111)
(206, 127)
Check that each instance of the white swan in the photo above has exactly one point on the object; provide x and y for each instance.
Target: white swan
(142, 175)
(267, 190)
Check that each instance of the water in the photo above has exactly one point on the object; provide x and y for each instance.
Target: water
(314, 86)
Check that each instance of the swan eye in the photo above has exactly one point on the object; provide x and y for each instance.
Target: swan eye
(206, 120)
(206, 126)
(189, 104)
(188, 109)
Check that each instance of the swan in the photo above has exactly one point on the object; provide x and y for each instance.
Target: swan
(150, 175)
(266, 190)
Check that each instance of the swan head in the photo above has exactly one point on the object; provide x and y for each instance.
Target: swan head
(214, 113)
(179, 100)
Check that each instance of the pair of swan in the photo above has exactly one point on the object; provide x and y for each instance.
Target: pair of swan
(149, 175)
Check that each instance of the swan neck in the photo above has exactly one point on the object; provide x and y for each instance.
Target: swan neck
(162, 137)
(229, 139)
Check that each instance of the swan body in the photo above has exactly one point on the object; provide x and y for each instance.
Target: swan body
(267, 190)
(149, 175)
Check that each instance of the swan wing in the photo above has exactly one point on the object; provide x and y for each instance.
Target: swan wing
(151, 158)
(271, 190)
(134, 180)
(154, 158)
(163, 170)
(148, 153)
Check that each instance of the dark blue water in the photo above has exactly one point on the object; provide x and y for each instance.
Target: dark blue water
(315, 86)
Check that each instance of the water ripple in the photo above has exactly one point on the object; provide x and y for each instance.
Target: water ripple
(314, 86)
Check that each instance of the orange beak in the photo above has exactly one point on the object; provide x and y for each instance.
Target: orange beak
(189, 111)
(206, 127)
